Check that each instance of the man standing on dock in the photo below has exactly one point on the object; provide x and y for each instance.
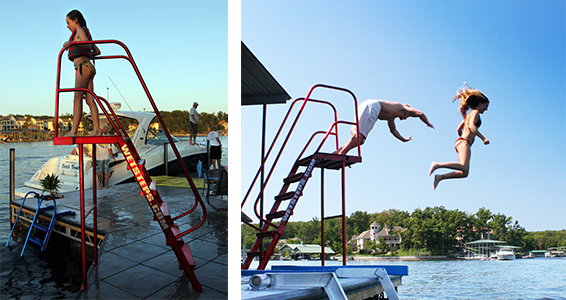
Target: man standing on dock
(193, 118)
(103, 154)
(371, 110)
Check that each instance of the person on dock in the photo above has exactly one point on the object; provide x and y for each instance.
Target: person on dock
(371, 110)
(81, 55)
(477, 102)
(193, 118)
(215, 148)
(103, 155)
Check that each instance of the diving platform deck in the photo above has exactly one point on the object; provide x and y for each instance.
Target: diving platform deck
(307, 282)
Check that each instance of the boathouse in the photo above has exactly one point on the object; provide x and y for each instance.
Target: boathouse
(306, 251)
(482, 249)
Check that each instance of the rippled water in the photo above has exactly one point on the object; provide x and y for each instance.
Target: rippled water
(538, 278)
(51, 275)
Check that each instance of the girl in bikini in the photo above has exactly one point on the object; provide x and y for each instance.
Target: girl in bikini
(467, 130)
(81, 55)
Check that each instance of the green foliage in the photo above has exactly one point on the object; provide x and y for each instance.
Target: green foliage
(432, 231)
(50, 183)
(177, 121)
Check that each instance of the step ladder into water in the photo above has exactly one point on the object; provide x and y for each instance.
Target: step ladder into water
(36, 224)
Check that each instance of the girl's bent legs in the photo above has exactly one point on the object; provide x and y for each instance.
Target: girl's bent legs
(463, 167)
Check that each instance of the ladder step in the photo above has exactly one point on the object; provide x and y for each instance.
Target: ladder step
(330, 161)
(41, 227)
(275, 215)
(36, 240)
(265, 234)
(176, 230)
(187, 252)
(46, 208)
(285, 196)
(255, 253)
(140, 163)
(164, 210)
(332, 217)
(294, 178)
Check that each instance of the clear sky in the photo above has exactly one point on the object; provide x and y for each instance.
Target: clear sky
(420, 53)
(180, 48)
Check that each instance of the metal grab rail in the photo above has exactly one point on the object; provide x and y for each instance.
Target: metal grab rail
(129, 58)
(306, 99)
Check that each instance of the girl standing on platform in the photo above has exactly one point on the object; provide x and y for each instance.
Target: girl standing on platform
(81, 55)
(467, 130)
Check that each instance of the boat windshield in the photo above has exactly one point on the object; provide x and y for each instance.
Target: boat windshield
(156, 135)
(129, 124)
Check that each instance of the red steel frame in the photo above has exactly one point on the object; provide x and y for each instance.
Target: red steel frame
(123, 138)
(334, 127)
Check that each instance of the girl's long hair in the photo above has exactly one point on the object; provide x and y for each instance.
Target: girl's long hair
(76, 15)
(469, 99)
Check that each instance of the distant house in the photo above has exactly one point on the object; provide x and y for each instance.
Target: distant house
(306, 251)
(390, 236)
(9, 123)
(17, 123)
(224, 124)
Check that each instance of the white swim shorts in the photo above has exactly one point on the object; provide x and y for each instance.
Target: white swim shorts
(368, 112)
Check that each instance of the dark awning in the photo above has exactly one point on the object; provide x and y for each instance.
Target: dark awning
(258, 85)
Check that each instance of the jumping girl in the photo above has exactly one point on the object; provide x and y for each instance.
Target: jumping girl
(81, 55)
(467, 130)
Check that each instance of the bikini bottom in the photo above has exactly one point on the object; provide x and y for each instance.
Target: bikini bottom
(87, 64)
(460, 139)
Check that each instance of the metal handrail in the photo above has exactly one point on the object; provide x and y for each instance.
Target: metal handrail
(129, 58)
(306, 99)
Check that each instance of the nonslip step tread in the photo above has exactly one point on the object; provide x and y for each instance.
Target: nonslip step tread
(294, 178)
(275, 215)
(285, 196)
(41, 227)
(36, 240)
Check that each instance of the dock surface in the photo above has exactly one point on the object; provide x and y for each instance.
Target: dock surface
(134, 260)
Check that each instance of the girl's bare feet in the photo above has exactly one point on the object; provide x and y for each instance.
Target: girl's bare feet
(437, 179)
(72, 133)
(433, 168)
(96, 132)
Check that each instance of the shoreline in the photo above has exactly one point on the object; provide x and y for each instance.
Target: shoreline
(51, 138)
(401, 258)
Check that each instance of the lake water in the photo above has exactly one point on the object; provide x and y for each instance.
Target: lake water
(36, 276)
(538, 278)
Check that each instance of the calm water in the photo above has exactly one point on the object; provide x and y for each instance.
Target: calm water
(37, 276)
(538, 278)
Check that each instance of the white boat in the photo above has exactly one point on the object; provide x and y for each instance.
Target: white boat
(505, 253)
(148, 138)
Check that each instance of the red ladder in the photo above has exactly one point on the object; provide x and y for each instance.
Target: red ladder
(160, 210)
(316, 160)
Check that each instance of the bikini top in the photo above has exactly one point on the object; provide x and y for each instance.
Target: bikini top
(75, 51)
(478, 122)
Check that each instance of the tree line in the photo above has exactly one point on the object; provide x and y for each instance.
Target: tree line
(436, 230)
(177, 121)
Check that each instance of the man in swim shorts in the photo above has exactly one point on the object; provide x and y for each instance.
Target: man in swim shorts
(371, 110)
(103, 155)
(193, 118)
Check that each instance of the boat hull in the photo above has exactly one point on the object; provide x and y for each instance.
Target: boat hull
(67, 168)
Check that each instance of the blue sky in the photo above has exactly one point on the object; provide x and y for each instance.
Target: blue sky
(420, 53)
(180, 48)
